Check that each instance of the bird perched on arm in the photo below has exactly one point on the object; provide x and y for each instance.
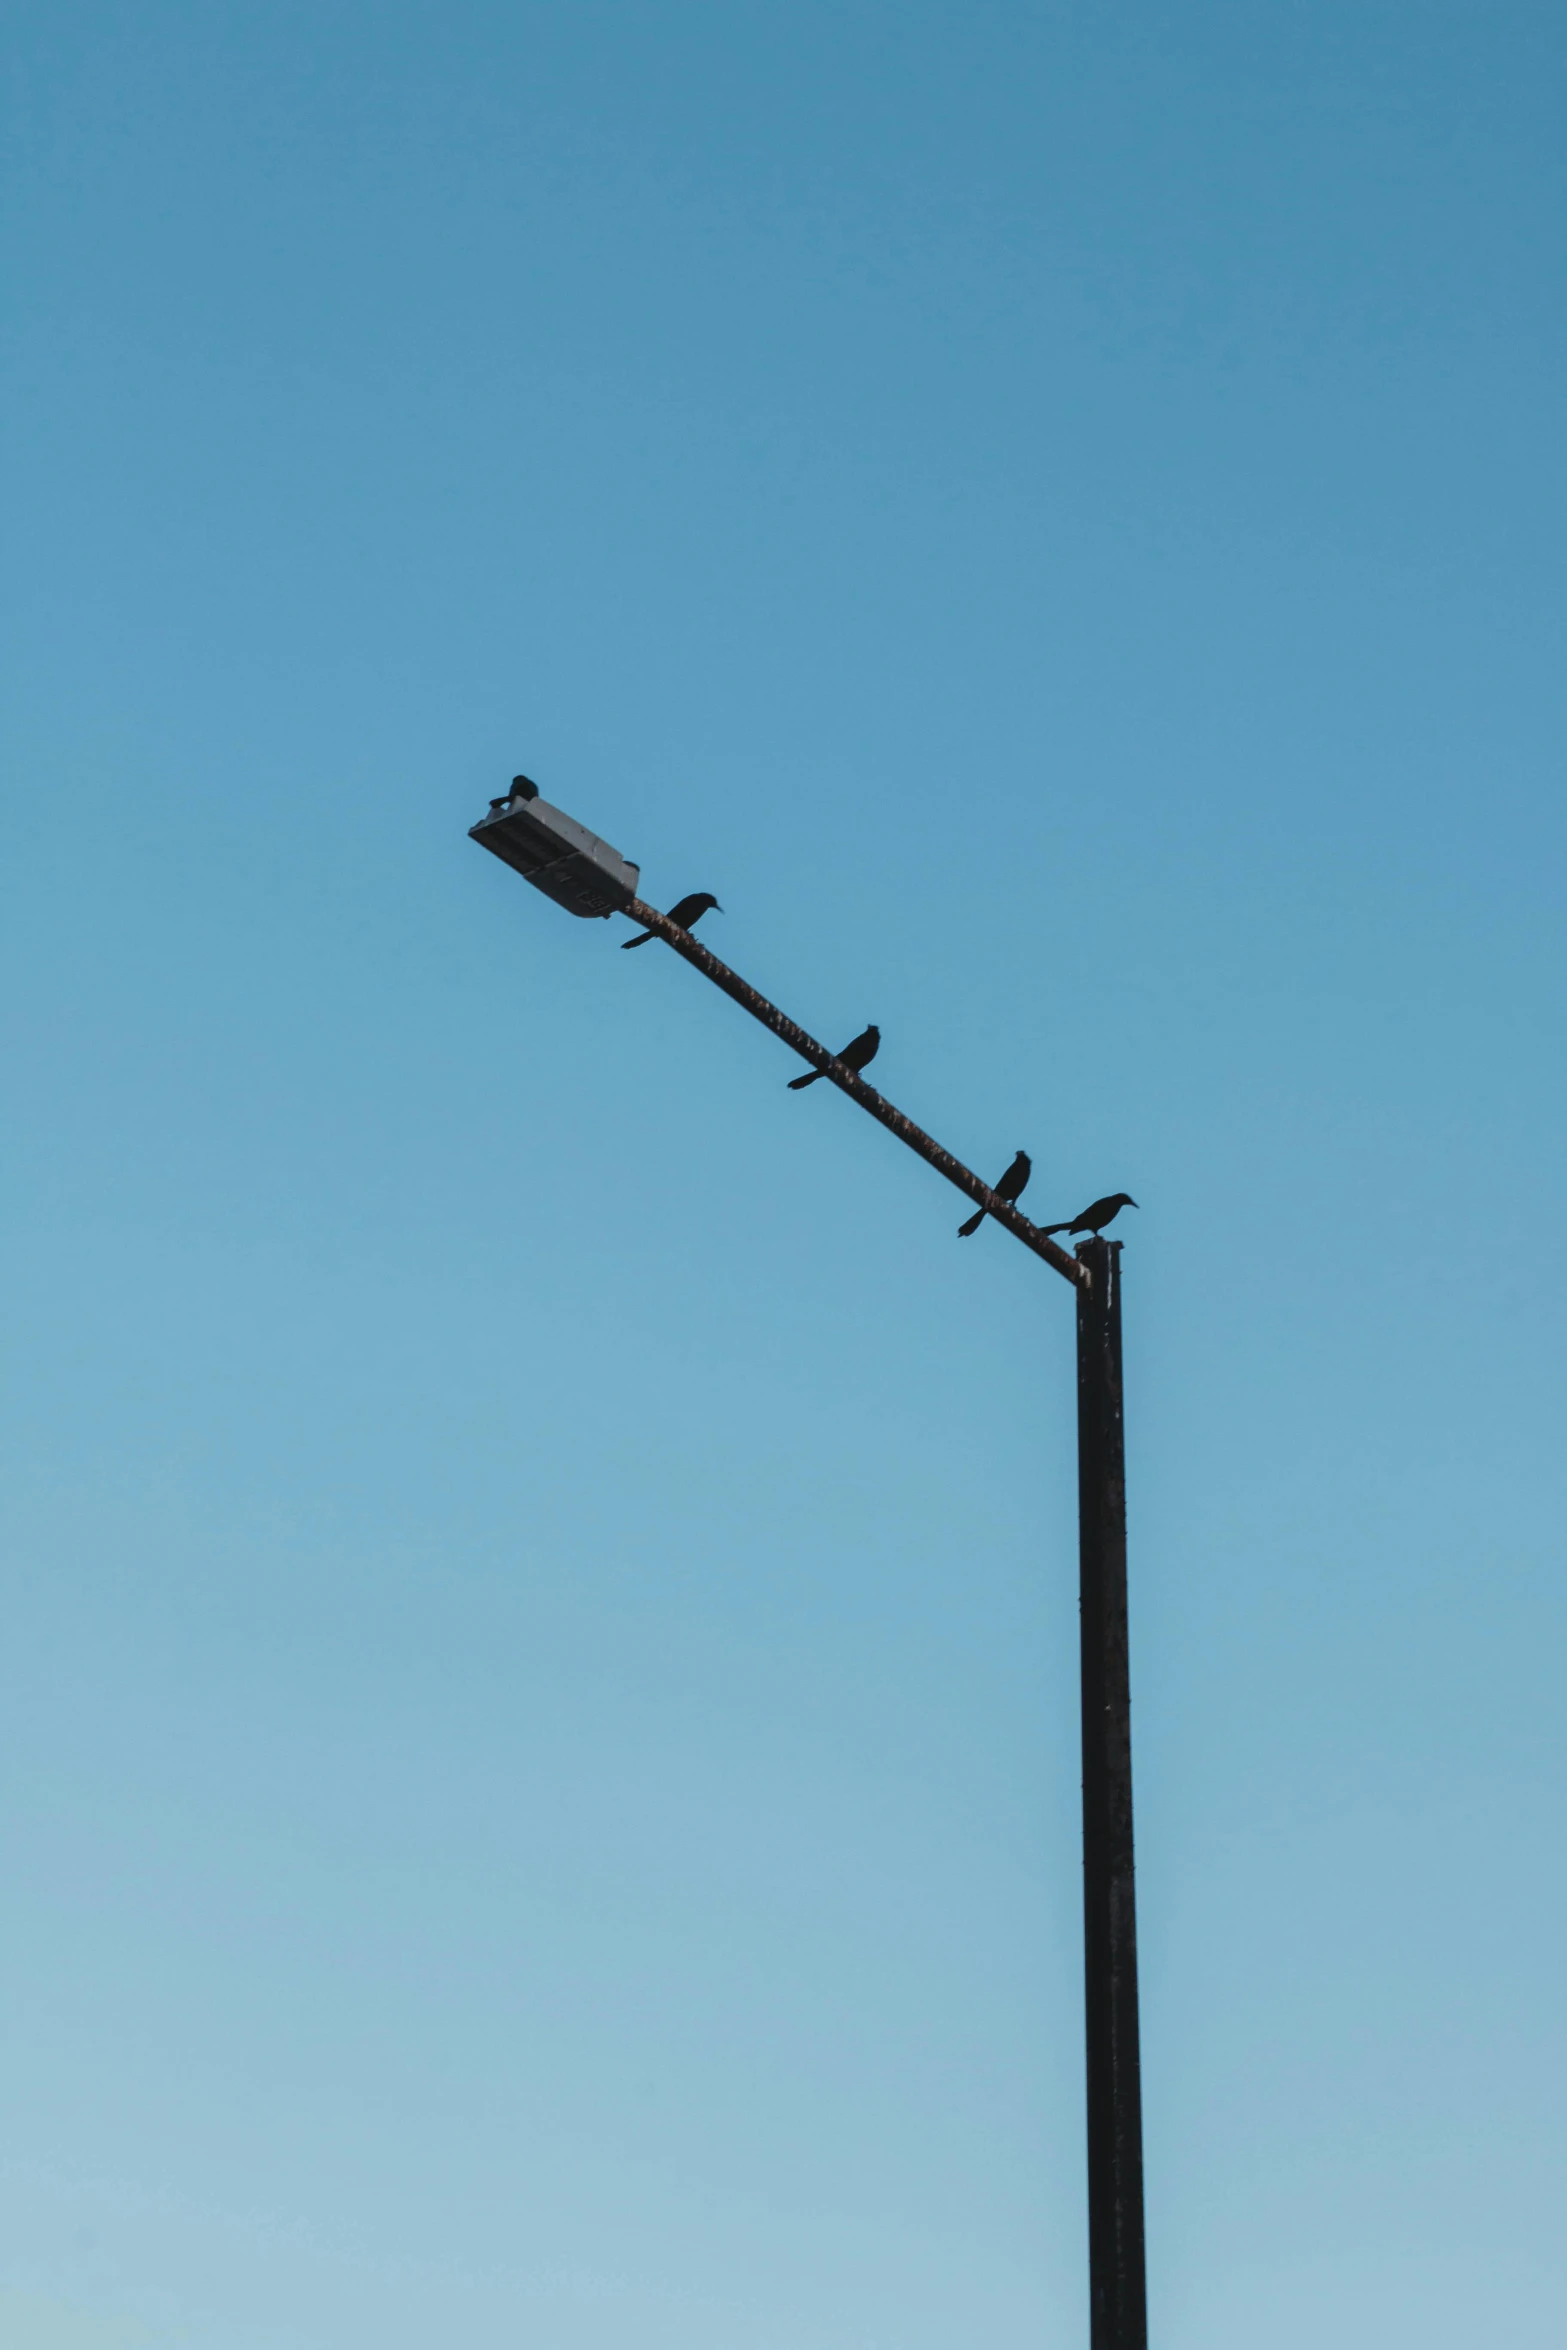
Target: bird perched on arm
(686, 911)
(1009, 1188)
(1103, 1212)
(856, 1055)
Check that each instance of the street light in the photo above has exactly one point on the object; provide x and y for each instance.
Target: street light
(584, 874)
(556, 853)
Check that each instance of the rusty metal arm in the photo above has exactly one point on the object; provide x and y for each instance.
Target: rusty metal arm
(846, 1080)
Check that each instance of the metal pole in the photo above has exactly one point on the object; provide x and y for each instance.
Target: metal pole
(1117, 2285)
(1118, 2295)
(741, 992)
(1117, 2288)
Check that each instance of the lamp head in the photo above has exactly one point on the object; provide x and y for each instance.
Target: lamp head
(556, 853)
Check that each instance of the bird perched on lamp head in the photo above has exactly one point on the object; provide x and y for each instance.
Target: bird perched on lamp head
(685, 912)
(1104, 1211)
(1009, 1187)
(523, 787)
(856, 1055)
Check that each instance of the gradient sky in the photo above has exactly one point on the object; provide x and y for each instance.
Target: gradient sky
(539, 1714)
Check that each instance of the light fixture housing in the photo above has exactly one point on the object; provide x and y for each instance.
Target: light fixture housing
(556, 853)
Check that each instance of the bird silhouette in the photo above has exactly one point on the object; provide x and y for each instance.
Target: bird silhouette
(856, 1055)
(1010, 1187)
(1103, 1211)
(685, 911)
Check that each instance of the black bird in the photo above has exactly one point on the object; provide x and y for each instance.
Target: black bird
(1103, 1211)
(1010, 1187)
(685, 911)
(523, 787)
(857, 1055)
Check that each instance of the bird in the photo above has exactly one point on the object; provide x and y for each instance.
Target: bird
(856, 1056)
(1103, 1212)
(1010, 1187)
(523, 787)
(685, 911)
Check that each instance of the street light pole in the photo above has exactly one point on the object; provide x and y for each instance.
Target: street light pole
(1117, 2295)
(850, 1081)
(590, 878)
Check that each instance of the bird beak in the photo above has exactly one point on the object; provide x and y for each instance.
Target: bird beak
(1131, 1203)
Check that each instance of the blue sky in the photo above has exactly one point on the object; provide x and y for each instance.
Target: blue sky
(539, 1712)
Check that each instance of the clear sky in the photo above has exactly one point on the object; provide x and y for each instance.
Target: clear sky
(537, 1698)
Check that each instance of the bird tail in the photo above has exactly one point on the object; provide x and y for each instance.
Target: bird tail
(640, 940)
(795, 1083)
(1047, 1229)
(973, 1224)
